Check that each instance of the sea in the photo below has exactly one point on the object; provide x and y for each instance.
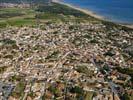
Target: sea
(120, 11)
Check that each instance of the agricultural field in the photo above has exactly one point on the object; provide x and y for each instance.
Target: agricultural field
(16, 17)
(33, 16)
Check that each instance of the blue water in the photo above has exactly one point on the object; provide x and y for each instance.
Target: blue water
(120, 11)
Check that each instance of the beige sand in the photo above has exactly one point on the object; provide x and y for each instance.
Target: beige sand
(86, 11)
(80, 9)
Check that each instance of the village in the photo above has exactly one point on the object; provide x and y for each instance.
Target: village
(22, 3)
(65, 61)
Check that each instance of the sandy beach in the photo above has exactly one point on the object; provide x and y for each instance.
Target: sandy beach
(80, 9)
(129, 26)
(91, 13)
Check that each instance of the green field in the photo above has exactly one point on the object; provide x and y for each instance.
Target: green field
(16, 17)
(40, 14)
(30, 16)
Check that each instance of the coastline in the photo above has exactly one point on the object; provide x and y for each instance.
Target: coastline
(88, 12)
(91, 13)
(126, 25)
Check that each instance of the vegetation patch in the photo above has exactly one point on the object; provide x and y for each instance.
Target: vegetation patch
(16, 78)
(21, 22)
(8, 41)
(61, 9)
(84, 69)
(128, 71)
(19, 90)
(3, 69)
(9, 15)
(3, 24)
(54, 90)
(76, 89)
(8, 56)
(88, 95)
(53, 55)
